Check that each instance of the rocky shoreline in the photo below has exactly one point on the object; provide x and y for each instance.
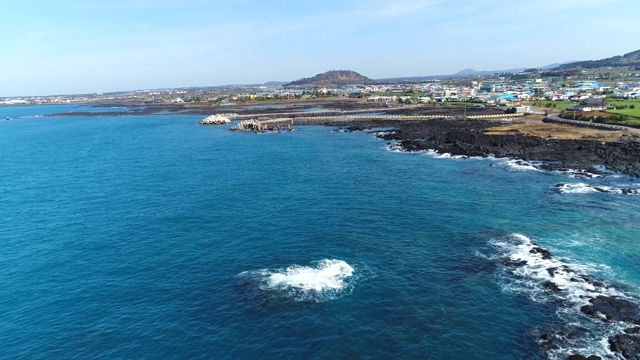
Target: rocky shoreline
(593, 298)
(468, 138)
(464, 137)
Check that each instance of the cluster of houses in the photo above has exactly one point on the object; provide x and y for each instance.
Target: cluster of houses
(589, 95)
(486, 90)
(501, 92)
(17, 101)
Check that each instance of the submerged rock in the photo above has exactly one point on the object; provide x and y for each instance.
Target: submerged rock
(551, 286)
(626, 345)
(546, 255)
(580, 357)
(515, 263)
(613, 309)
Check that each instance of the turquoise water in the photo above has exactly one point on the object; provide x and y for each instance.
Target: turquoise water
(153, 237)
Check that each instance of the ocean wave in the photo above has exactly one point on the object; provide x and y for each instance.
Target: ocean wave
(542, 166)
(512, 163)
(396, 147)
(521, 165)
(582, 188)
(323, 280)
(586, 305)
(444, 155)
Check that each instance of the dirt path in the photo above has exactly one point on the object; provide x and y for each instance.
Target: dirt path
(533, 126)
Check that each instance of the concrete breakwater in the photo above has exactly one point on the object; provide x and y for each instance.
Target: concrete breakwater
(217, 119)
(322, 119)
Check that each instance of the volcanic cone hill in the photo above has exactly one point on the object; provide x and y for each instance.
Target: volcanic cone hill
(333, 78)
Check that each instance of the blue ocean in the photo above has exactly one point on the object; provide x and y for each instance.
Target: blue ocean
(136, 237)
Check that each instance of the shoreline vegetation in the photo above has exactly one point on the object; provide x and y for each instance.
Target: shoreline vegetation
(454, 129)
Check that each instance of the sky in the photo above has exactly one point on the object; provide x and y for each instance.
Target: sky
(55, 47)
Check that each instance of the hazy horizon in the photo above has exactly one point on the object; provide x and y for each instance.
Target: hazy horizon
(76, 47)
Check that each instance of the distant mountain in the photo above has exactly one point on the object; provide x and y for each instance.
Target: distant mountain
(275, 83)
(551, 66)
(334, 78)
(471, 72)
(631, 59)
(461, 73)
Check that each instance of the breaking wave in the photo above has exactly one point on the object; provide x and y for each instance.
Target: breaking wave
(582, 188)
(513, 164)
(521, 165)
(396, 147)
(323, 280)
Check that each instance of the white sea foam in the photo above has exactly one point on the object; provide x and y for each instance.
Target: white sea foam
(521, 165)
(326, 275)
(582, 188)
(396, 147)
(539, 270)
(439, 155)
(579, 188)
(323, 280)
(581, 174)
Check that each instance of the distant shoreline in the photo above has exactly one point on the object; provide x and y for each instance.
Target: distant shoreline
(614, 150)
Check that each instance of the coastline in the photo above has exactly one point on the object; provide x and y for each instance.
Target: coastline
(472, 138)
(456, 135)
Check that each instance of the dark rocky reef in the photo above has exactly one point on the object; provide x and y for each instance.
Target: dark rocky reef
(601, 307)
(613, 309)
(467, 137)
(580, 357)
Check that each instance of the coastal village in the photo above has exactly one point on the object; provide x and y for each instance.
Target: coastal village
(488, 89)
(603, 91)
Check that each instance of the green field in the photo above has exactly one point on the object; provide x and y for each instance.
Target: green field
(632, 107)
(618, 112)
(555, 106)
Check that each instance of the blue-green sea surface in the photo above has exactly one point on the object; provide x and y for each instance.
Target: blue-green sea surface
(153, 237)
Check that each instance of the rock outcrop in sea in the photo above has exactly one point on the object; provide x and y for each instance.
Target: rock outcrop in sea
(257, 126)
(580, 294)
(249, 125)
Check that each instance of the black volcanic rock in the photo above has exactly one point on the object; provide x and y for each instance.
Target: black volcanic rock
(580, 357)
(334, 78)
(467, 137)
(613, 309)
(626, 345)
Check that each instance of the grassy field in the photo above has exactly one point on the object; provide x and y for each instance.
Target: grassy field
(555, 106)
(635, 111)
